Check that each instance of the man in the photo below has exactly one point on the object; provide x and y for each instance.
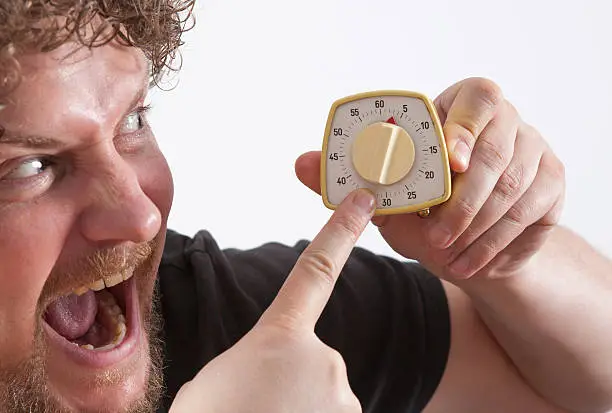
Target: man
(505, 312)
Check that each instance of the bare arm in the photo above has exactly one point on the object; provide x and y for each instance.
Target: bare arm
(479, 376)
(554, 320)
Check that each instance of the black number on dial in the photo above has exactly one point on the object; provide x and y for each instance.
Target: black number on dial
(386, 202)
(355, 112)
(429, 174)
(341, 181)
(333, 156)
(337, 131)
(433, 149)
(411, 195)
(379, 104)
(425, 125)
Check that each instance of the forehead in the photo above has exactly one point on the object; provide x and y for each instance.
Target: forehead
(68, 83)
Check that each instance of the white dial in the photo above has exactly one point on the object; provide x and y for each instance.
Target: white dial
(390, 143)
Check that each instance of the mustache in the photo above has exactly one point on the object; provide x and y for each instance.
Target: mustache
(99, 264)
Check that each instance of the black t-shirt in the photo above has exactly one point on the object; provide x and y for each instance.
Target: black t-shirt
(388, 319)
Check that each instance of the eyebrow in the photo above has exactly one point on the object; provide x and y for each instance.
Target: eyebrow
(43, 142)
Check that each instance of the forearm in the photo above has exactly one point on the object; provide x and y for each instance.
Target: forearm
(554, 319)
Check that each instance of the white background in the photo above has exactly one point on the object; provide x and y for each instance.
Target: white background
(259, 77)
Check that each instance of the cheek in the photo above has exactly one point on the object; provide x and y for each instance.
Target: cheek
(30, 244)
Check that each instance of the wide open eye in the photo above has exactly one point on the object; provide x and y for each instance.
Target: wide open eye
(28, 169)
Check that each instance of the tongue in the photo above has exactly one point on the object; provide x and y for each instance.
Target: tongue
(73, 315)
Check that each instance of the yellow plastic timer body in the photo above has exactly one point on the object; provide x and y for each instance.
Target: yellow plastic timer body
(383, 153)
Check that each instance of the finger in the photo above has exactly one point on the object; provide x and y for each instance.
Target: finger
(515, 255)
(306, 291)
(513, 183)
(538, 204)
(308, 170)
(492, 155)
(467, 115)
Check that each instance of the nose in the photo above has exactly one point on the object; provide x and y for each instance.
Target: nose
(119, 210)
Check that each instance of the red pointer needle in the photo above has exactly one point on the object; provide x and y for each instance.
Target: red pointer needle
(391, 120)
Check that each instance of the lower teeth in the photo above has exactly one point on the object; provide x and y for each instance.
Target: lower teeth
(110, 310)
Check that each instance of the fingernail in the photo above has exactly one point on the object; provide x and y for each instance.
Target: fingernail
(462, 152)
(439, 235)
(364, 200)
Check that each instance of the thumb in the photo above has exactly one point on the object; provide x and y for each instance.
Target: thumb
(308, 170)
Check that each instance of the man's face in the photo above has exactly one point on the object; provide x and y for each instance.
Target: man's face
(84, 198)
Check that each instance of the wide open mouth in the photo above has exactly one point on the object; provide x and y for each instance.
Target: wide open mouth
(96, 317)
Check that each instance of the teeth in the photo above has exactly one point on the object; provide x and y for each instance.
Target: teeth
(110, 313)
(80, 291)
(114, 310)
(113, 280)
(97, 286)
(120, 332)
(127, 275)
(106, 282)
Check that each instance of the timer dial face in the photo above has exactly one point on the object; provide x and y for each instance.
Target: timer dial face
(390, 142)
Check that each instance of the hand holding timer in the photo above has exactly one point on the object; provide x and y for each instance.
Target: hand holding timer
(390, 142)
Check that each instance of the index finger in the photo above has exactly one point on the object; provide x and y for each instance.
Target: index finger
(467, 108)
(306, 291)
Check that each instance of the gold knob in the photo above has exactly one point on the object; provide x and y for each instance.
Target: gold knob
(383, 153)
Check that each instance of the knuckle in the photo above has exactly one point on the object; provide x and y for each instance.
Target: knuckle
(491, 156)
(446, 257)
(285, 324)
(510, 182)
(464, 129)
(518, 215)
(512, 110)
(348, 225)
(319, 264)
(337, 364)
(487, 90)
(352, 404)
(529, 131)
(484, 253)
(337, 371)
(465, 208)
(554, 215)
(556, 169)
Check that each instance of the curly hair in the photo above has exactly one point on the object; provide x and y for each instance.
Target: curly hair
(154, 26)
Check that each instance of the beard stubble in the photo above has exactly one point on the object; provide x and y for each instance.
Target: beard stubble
(25, 387)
